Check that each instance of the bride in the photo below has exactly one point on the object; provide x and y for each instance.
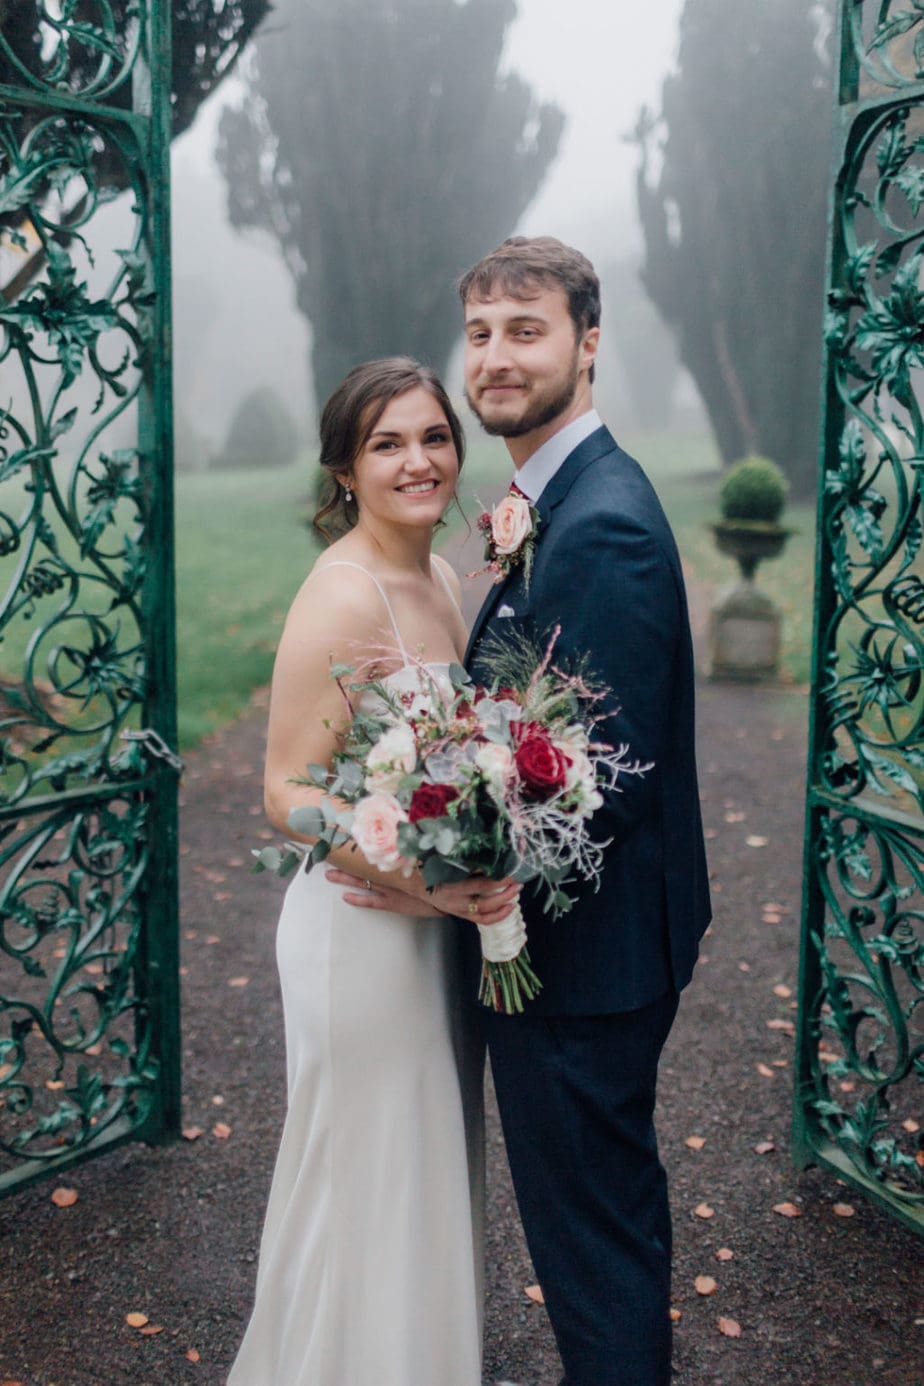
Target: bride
(370, 1262)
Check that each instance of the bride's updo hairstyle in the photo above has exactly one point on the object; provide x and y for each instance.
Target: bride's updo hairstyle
(349, 417)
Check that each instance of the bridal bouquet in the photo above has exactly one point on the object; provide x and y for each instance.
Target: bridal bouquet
(462, 780)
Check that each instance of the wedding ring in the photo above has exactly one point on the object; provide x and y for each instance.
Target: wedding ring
(367, 885)
(473, 907)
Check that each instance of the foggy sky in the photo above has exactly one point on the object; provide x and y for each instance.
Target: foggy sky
(599, 60)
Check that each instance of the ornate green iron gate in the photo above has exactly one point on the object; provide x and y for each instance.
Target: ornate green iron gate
(861, 1034)
(89, 1046)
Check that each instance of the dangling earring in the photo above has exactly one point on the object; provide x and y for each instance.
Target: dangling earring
(348, 494)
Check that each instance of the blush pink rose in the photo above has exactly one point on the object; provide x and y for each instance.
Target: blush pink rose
(511, 522)
(375, 830)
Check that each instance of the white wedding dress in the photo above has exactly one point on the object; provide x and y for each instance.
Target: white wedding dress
(370, 1269)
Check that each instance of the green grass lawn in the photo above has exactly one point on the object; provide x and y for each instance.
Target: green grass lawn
(243, 550)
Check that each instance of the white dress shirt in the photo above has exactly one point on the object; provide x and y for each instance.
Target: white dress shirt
(537, 471)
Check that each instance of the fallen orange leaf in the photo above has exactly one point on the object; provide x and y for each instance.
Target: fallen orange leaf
(218, 1100)
(844, 1210)
(151, 1328)
(783, 992)
(755, 841)
(764, 1148)
(695, 1142)
(729, 1328)
(238, 981)
(703, 1210)
(192, 1355)
(64, 1198)
(676, 1315)
(136, 1319)
(724, 1253)
(534, 1292)
(911, 1125)
(222, 1130)
(786, 1026)
(764, 1071)
(705, 1285)
(744, 967)
(192, 1133)
(787, 1210)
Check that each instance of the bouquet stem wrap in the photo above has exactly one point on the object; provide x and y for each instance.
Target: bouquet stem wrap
(507, 979)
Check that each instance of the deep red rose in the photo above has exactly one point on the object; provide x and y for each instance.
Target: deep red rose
(541, 765)
(430, 800)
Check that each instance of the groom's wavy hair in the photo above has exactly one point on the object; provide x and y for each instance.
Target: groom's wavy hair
(525, 264)
(349, 417)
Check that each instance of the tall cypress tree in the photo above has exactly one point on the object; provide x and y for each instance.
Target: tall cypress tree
(734, 220)
(383, 150)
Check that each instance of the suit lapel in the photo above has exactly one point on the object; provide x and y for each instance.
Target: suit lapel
(598, 443)
(487, 609)
(595, 445)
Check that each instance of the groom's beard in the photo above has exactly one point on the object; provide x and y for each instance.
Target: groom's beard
(544, 406)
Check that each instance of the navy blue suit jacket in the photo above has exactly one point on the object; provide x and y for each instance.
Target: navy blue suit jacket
(606, 570)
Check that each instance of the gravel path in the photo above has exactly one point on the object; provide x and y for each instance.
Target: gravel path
(172, 1232)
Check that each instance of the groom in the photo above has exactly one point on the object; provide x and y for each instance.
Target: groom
(575, 1075)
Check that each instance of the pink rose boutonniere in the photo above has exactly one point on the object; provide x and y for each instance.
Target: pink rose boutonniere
(510, 532)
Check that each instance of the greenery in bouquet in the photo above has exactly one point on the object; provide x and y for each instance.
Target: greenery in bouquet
(462, 779)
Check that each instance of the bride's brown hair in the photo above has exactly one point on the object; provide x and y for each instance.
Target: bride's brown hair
(349, 417)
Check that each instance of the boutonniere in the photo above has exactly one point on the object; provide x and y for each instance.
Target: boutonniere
(510, 532)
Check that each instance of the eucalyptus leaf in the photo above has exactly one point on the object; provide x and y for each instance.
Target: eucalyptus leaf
(308, 819)
(459, 677)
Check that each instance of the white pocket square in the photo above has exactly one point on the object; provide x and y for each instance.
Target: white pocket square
(505, 610)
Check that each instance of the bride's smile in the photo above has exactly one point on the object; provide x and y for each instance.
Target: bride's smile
(407, 468)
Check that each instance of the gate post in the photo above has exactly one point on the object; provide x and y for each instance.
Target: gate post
(89, 1014)
(860, 1042)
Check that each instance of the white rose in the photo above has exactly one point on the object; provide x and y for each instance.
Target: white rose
(375, 830)
(511, 522)
(580, 777)
(392, 757)
(496, 763)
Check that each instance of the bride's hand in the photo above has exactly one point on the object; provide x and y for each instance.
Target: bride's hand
(381, 897)
(477, 899)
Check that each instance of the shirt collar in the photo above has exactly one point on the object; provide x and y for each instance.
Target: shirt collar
(538, 470)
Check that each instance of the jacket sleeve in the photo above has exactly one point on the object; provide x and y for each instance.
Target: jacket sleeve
(617, 601)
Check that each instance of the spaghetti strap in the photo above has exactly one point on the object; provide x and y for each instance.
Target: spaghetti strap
(438, 565)
(347, 563)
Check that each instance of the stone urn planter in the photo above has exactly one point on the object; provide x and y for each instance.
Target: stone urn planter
(745, 625)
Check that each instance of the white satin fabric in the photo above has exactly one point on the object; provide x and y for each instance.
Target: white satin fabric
(370, 1262)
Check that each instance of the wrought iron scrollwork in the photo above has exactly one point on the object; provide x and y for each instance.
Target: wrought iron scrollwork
(887, 39)
(862, 1000)
(70, 917)
(88, 1014)
(87, 49)
(73, 517)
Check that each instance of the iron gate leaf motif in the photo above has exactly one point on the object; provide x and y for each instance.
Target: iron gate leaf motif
(88, 974)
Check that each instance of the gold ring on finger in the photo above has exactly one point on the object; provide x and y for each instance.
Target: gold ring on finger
(473, 907)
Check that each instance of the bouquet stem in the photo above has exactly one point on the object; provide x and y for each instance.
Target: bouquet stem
(507, 979)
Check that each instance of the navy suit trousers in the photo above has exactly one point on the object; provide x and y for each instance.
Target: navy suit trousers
(576, 1096)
